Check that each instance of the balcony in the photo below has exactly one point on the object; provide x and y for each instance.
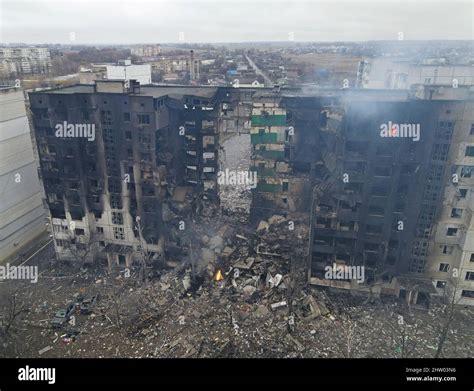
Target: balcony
(265, 138)
(270, 155)
(268, 120)
(264, 172)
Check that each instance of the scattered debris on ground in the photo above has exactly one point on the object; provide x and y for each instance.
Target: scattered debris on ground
(248, 299)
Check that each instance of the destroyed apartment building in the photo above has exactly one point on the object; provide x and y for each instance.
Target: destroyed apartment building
(382, 178)
(151, 153)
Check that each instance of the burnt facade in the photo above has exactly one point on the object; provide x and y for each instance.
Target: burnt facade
(378, 202)
(111, 195)
(369, 169)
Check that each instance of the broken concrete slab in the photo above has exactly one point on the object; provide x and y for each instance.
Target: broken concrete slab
(297, 343)
(228, 251)
(249, 290)
(262, 225)
(44, 350)
(315, 311)
(323, 308)
(245, 264)
(276, 219)
(274, 306)
(262, 312)
(273, 281)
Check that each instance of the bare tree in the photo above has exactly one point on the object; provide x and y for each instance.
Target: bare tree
(144, 254)
(82, 247)
(114, 297)
(11, 309)
(403, 337)
(448, 313)
(347, 345)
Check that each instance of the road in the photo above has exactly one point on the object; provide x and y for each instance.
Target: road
(258, 71)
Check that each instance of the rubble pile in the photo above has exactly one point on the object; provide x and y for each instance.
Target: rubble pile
(241, 293)
(241, 300)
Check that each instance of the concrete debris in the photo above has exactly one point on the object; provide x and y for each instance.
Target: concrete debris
(315, 310)
(297, 343)
(228, 251)
(44, 350)
(260, 307)
(249, 290)
(276, 219)
(278, 305)
(273, 281)
(262, 225)
(187, 282)
(245, 264)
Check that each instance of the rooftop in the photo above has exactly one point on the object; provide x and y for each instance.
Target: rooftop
(177, 91)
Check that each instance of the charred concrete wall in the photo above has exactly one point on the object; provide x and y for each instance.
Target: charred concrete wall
(150, 154)
(378, 204)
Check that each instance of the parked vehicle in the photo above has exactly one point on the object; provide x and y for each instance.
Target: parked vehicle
(87, 305)
(61, 317)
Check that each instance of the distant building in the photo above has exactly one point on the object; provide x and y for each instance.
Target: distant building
(248, 82)
(389, 73)
(190, 64)
(125, 70)
(193, 66)
(146, 51)
(15, 61)
(22, 216)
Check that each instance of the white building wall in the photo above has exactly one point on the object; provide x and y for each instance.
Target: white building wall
(22, 217)
(381, 73)
(456, 251)
(141, 73)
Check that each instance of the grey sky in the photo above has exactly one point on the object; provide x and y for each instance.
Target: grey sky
(112, 21)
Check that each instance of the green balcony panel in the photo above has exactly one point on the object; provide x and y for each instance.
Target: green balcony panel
(268, 188)
(263, 172)
(268, 120)
(265, 138)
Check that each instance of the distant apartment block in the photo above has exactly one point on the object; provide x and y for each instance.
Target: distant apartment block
(146, 51)
(22, 216)
(174, 64)
(28, 60)
(388, 73)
